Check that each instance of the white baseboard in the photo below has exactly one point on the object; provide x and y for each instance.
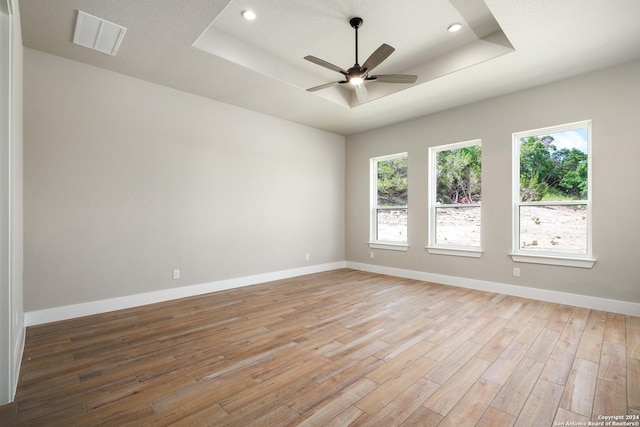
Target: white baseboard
(55, 314)
(95, 307)
(614, 306)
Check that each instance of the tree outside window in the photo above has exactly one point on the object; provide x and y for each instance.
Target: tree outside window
(552, 208)
(390, 181)
(455, 196)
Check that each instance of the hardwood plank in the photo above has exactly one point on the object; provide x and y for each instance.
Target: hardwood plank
(349, 360)
(288, 362)
(469, 410)
(423, 417)
(452, 391)
(633, 383)
(610, 399)
(591, 343)
(329, 409)
(261, 405)
(581, 388)
(521, 319)
(500, 370)
(120, 414)
(390, 389)
(543, 345)
(613, 363)
(632, 323)
(280, 382)
(529, 333)
(517, 389)
(554, 312)
(353, 345)
(490, 329)
(573, 330)
(197, 398)
(447, 329)
(451, 344)
(233, 369)
(333, 385)
(632, 341)
(513, 306)
(449, 366)
(560, 317)
(399, 347)
(405, 404)
(8, 409)
(564, 417)
(614, 328)
(497, 344)
(495, 418)
(76, 393)
(400, 361)
(560, 361)
(201, 416)
(541, 406)
(45, 415)
(415, 326)
(351, 416)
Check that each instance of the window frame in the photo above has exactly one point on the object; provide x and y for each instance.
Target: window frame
(374, 243)
(433, 247)
(549, 257)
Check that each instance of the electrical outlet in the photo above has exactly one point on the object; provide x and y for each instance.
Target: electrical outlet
(516, 272)
(372, 255)
(176, 274)
(16, 320)
(306, 257)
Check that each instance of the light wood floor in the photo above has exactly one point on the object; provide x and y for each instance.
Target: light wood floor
(332, 349)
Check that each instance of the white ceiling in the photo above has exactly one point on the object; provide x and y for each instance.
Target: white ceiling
(205, 47)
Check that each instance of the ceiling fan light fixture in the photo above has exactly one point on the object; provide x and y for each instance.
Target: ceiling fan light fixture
(455, 27)
(356, 80)
(249, 15)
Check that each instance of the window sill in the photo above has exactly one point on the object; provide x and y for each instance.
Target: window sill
(554, 260)
(465, 252)
(403, 247)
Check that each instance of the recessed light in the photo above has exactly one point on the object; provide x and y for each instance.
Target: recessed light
(454, 27)
(249, 15)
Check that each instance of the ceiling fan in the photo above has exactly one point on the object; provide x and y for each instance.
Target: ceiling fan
(359, 74)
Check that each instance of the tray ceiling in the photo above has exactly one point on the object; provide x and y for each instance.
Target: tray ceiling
(206, 48)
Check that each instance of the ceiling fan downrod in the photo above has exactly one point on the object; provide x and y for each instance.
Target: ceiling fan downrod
(355, 24)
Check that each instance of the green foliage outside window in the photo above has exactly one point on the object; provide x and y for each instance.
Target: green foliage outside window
(393, 182)
(459, 175)
(547, 173)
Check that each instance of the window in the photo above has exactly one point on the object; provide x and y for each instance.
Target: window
(552, 195)
(389, 191)
(455, 193)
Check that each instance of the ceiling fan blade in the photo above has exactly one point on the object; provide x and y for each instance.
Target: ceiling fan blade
(324, 86)
(362, 94)
(394, 78)
(325, 64)
(378, 56)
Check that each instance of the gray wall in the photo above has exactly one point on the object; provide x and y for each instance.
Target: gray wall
(127, 180)
(611, 98)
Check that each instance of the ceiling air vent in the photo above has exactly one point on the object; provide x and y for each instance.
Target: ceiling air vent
(98, 34)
